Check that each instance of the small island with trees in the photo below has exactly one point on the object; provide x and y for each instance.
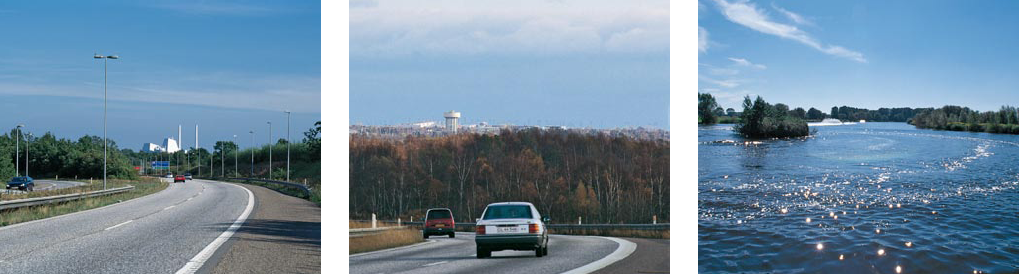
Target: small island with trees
(759, 119)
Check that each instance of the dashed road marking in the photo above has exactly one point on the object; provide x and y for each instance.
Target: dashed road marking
(169, 207)
(436, 263)
(120, 224)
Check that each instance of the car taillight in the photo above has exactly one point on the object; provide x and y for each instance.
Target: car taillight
(533, 228)
(480, 230)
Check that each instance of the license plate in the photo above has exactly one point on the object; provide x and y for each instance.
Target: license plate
(440, 225)
(508, 230)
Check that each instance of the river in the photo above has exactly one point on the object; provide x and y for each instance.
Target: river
(863, 198)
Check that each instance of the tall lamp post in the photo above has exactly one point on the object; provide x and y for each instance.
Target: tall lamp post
(106, 142)
(235, 156)
(270, 149)
(288, 145)
(252, 166)
(27, 138)
(17, 153)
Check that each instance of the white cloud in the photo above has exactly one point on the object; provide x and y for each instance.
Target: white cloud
(405, 27)
(798, 19)
(745, 63)
(301, 94)
(721, 83)
(702, 39)
(747, 14)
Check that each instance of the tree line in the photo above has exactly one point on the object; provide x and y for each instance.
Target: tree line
(567, 175)
(956, 118)
(47, 156)
(845, 113)
(227, 159)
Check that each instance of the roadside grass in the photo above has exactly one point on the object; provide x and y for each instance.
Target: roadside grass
(361, 224)
(143, 186)
(631, 233)
(385, 239)
(316, 191)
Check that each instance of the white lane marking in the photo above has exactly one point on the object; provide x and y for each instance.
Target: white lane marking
(391, 249)
(625, 249)
(169, 207)
(196, 263)
(436, 263)
(120, 224)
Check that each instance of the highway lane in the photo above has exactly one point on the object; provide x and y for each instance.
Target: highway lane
(445, 255)
(41, 185)
(158, 233)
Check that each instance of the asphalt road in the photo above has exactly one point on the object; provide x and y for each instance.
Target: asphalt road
(282, 235)
(651, 256)
(457, 255)
(47, 185)
(158, 233)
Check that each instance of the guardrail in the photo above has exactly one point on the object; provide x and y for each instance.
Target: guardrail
(60, 198)
(304, 188)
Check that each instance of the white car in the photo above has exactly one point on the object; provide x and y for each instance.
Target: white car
(511, 226)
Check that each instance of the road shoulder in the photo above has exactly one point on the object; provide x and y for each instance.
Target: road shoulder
(282, 235)
(651, 256)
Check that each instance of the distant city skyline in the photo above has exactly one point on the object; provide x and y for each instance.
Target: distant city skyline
(864, 54)
(228, 66)
(601, 64)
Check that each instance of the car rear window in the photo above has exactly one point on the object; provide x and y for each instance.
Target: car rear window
(439, 214)
(507, 212)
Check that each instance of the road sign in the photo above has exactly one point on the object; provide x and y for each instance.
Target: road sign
(160, 164)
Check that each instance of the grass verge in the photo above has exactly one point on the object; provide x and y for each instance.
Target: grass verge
(316, 192)
(631, 233)
(142, 187)
(385, 239)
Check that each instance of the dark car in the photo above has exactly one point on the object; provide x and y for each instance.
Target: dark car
(439, 221)
(24, 183)
(511, 226)
(180, 178)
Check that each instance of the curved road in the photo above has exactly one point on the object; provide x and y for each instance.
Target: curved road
(445, 255)
(158, 233)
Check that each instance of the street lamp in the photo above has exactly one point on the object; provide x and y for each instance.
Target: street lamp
(252, 166)
(288, 145)
(270, 149)
(17, 154)
(105, 141)
(27, 138)
(235, 157)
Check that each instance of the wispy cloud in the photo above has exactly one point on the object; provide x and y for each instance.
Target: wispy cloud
(218, 7)
(364, 3)
(745, 63)
(460, 27)
(796, 18)
(721, 83)
(702, 39)
(300, 94)
(747, 14)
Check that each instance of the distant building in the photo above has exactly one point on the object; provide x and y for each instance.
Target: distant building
(452, 120)
(170, 145)
(151, 147)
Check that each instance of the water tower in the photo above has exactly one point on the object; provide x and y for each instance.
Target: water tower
(452, 118)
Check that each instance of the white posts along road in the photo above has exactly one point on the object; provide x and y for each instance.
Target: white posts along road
(158, 233)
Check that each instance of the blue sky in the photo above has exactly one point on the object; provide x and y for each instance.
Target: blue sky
(228, 66)
(575, 63)
(867, 54)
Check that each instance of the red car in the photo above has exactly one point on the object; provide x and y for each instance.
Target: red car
(180, 178)
(439, 221)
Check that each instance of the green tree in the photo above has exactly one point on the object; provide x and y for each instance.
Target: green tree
(705, 108)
